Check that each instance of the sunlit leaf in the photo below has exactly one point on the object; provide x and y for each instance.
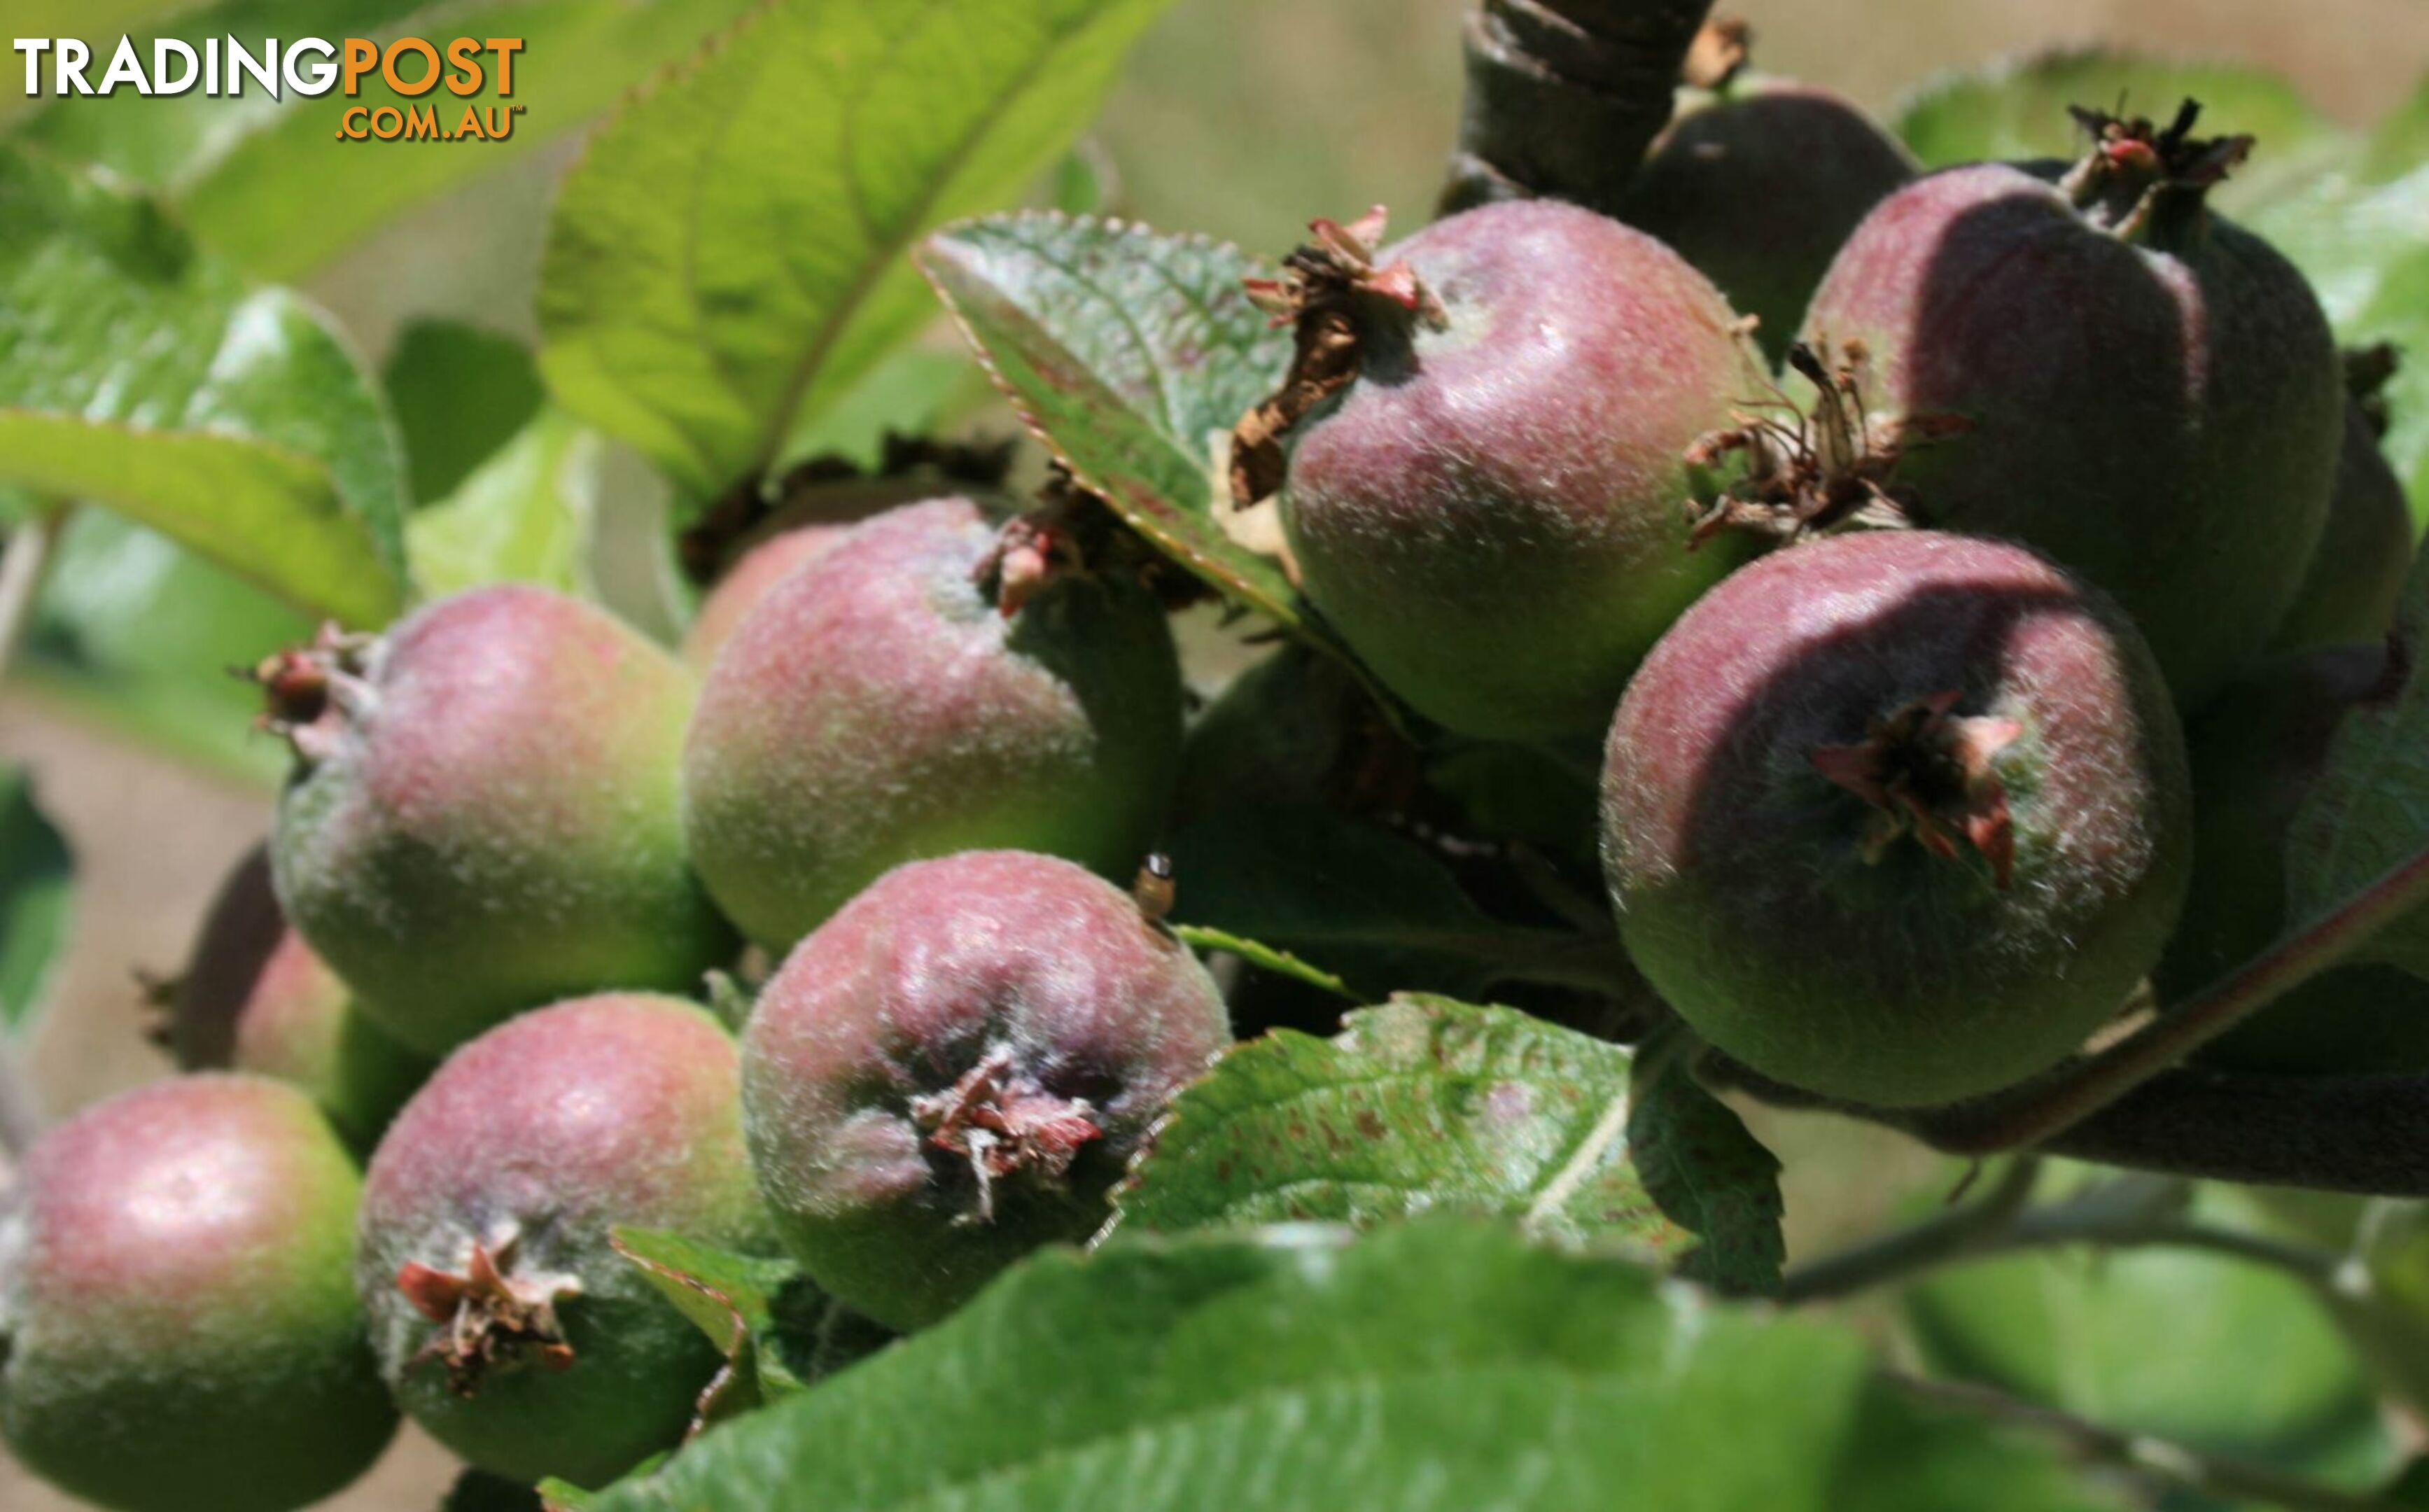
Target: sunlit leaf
(1434, 1366)
(523, 515)
(1131, 354)
(139, 373)
(728, 258)
(1424, 1105)
(461, 393)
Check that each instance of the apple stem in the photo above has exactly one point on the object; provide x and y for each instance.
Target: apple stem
(1564, 97)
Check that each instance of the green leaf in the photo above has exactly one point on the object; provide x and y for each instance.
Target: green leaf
(1260, 852)
(525, 515)
(1132, 355)
(137, 633)
(1903, 1456)
(910, 393)
(1437, 1365)
(260, 510)
(727, 258)
(777, 1332)
(2348, 233)
(1705, 1171)
(2357, 228)
(1265, 956)
(564, 1496)
(731, 1298)
(1426, 1105)
(1084, 182)
(2400, 146)
(459, 393)
(1545, 796)
(1360, 900)
(2134, 1339)
(2368, 808)
(272, 186)
(145, 376)
(37, 903)
(2016, 109)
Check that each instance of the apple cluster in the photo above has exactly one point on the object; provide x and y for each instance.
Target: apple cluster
(1958, 572)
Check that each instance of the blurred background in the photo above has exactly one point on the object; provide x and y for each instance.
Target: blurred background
(1242, 117)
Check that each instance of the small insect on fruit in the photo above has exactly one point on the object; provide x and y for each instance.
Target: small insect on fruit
(1153, 890)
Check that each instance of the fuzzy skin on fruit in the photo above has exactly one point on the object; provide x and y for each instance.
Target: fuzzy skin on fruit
(2159, 416)
(529, 1145)
(746, 582)
(2255, 753)
(992, 1010)
(1758, 186)
(877, 706)
(2357, 574)
(1494, 512)
(177, 1329)
(1809, 930)
(254, 997)
(485, 814)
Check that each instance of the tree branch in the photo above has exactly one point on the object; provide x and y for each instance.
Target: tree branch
(2131, 1104)
(1945, 1236)
(2140, 1210)
(2360, 1134)
(2130, 1210)
(2174, 1464)
(2047, 1106)
(1563, 96)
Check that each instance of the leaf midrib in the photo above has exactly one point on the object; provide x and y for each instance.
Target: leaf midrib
(888, 248)
(965, 1489)
(1608, 1128)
